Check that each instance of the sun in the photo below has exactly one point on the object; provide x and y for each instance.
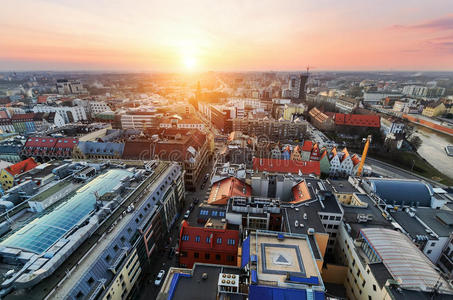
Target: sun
(189, 62)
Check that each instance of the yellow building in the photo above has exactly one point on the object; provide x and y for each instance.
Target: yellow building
(292, 109)
(8, 174)
(434, 109)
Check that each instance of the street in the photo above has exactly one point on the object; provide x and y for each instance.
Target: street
(162, 261)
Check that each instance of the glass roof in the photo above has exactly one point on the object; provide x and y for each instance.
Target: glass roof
(43, 232)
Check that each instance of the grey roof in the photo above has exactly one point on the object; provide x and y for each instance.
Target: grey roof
(195, 288)
(99, 148)
(410, 224)
(402, 192)
(341, 186)
(436, 220)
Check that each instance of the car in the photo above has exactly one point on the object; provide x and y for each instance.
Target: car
(187, 214)
(196, 200)
(191, 206)
(159, 278)
(171, 252)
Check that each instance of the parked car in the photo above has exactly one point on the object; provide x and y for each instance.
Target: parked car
(187, 214)
(159, 278)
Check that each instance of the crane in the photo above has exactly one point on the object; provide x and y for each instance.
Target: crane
(364, 153)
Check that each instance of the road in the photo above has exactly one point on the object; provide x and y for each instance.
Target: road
(146, 288)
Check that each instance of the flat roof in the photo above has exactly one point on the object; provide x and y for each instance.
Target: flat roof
(440, 221)
(43, 232)
(341, 186)
(276, 257)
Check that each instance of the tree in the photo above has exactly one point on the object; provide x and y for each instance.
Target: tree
(415, 142)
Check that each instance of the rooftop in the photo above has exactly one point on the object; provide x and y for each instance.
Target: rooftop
(286, 166)
(226, 188)
(357, 120)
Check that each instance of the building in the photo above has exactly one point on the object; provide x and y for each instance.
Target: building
(353, 120)
(189, 147)
(271, 129)
(346, 105)
(176, 121)
(65, 87)
(423, 91)
(434, 109)
(321, 120)
(136, 208)
(97, 107)
(296, 87)
(402, 192)
(286, 166)
(224, 189)
(214, 243)
(391, 125)
(70, 114)
(98, 150)
(9, 174)
(204, 282)
(283, 264)
(139, 120)
(372, 98)
(384, 264)
(445, 261)
(48, 148)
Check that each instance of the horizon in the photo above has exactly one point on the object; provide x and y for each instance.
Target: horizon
(236, 36)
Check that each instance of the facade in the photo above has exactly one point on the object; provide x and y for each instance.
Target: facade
(48, 148)
(346, 105)
(98, 150)
(434, 109)
(296, 87)
(423, 91)
(271, 129)
(354, 120)
(97, 107)
(139, 120)
(372, 98)
(391, 126)
(65, 87)
(214, 244)
(70, 114)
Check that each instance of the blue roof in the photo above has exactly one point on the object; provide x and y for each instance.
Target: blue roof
(245, 252)
(259, 292)
(40, 234)
(402, 192)
(174, 282)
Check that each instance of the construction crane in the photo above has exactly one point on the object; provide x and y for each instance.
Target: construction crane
(365, 151)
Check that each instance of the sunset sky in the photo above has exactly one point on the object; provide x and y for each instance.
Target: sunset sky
(229, 35)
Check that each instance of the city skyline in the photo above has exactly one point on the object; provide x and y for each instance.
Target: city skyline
(235, 36)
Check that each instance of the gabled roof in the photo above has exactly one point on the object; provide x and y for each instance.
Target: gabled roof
(308, 145)
(357, 120)
(345, 154)
(21, 167)
(66, 143)
(100, 148)
(28, 116)
(355, 159)
(45, 142)
(286, 166)
(224, 189)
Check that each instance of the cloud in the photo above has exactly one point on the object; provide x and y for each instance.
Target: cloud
(439, 24)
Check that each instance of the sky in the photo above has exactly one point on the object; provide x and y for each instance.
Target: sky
(189, 36)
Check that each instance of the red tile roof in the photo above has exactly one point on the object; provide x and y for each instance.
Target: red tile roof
(357, 120)
(355, 159)
(21, 167)
(308, 145)
(42, 99)
(66, 143)
(28, 116)
(300, 192)
(226, 188)
(286, 166)
(44, 142)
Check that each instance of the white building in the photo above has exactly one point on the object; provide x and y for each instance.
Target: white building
(66, 87)
(139, 120)
(97, 107)
(70, 114)
(373, 98)
(391, 125)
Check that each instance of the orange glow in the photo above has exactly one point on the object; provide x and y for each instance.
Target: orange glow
(198, 36)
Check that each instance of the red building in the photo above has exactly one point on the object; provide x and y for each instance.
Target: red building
(357, 120)
(48, 148)
(209, 244)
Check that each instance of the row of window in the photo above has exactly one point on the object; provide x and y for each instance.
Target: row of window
(229, 258)
(214, 213)
(230, 242)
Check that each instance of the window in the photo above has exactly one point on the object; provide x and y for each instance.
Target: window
(90, 281)
(433, 244)
(217, 256)
(230, 258)
(231, 242)
(79, 295)
(208, 239)
(185, 237)
(184, 253)
(429, 252)
(207, 256)
(115, 248)
(369, 297)
(196, 255)
(197, 239)
(219, 240)
(374, 287)
(108, 258)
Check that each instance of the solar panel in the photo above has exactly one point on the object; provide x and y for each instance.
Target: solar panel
(43, 232)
